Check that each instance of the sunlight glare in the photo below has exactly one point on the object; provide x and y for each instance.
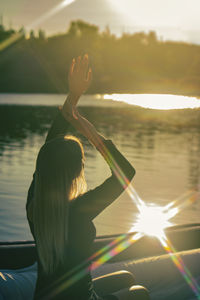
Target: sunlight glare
(124, 10)
(17, 36)
(156, 101)
(49, 13)
(66, 2)
(152, 220)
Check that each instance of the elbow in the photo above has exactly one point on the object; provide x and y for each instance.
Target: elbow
(124, 177)
(134, 172)
(131, 174)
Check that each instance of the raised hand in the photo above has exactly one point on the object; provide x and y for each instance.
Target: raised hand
(79, 76)
(79, 80)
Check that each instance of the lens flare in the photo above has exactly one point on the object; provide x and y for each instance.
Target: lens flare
(17, 36)
(49, 14)
(95, 261)
(11, 40)
(152, 220)
(179, 263)
(116, 250)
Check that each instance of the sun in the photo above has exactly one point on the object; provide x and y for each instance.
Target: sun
(153, 219)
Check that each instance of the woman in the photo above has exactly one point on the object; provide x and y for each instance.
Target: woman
(60, 211)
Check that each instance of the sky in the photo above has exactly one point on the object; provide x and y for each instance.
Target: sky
(171, 19)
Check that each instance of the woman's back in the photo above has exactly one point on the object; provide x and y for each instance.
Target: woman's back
(72, 279)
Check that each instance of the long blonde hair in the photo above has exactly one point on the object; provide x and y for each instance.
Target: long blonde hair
(59, 178)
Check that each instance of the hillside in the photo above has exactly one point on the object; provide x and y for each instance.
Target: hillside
(132, 63)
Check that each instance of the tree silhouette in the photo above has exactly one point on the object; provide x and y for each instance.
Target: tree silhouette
(131, 63)
(32, 35)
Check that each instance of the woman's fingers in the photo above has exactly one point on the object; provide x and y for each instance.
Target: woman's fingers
(89, 76)
(80, 66)
(79, 76)
(72, 67)
(77, 65)
(84, 65)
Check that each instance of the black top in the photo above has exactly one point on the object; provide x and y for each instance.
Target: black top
(82, 232)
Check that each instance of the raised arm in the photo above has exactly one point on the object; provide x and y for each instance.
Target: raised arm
(79, 81)
(93, 202)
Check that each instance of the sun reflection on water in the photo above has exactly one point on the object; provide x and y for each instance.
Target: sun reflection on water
(156, 101)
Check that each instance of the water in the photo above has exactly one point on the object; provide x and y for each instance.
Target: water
(162, 145)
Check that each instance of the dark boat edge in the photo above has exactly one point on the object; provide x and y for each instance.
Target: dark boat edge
(21, 254)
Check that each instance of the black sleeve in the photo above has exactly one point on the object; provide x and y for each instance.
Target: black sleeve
(58, 128)
(95, 201)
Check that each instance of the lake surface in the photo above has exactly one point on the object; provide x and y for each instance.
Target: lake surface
(162, 145)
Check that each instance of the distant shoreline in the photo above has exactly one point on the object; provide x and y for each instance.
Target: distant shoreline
(197, 95)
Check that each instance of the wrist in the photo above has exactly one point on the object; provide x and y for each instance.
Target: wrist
(67, 107)
(72, 97)
(66, 115)
(69, 112)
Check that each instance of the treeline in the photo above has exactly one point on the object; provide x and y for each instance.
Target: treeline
(132, 63)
